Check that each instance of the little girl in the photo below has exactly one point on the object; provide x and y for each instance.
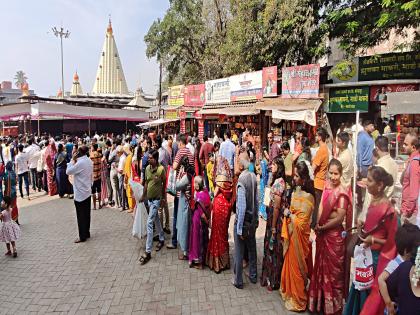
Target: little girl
(9, 230)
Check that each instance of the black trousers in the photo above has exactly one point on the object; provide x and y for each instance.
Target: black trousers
(83, 218)
(318, 195)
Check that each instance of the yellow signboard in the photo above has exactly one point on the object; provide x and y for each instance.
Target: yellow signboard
(176, 95)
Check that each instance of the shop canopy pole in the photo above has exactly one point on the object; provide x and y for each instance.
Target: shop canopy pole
(355, 169)
(39, 129)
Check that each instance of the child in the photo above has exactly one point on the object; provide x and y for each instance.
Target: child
(209, 170)
(9, 230)
(407, 239)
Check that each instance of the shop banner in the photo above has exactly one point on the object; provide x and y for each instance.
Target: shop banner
(378, 93)
(176, 95)
(194, 95)
(218, 91)
(345, 71)
(269, 77)
(349, 100)
(171, 114)
(300, 81)
(404, 65)
(246, 86)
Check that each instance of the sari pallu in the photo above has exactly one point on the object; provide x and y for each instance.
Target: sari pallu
(381, 223)
(328, 281)
(63, 184)
(296, 250)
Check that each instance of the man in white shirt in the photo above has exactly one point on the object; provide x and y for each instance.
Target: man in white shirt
(81, 167)
(33, 158)
(190, 146)
(22, 169)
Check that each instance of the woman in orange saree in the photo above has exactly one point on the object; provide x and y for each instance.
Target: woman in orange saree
(296, 244)
(327, 287)
(378, 233)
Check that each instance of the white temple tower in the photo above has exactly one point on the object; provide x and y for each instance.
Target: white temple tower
(110, 77)
(76, 88)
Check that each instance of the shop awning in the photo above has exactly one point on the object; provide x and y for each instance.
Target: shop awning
(403, 103)
(156, 122)
(292, 109)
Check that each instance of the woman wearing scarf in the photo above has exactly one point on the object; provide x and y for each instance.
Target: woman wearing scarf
(199, 232)
(60, 163)
(49, 162)
(296, 245)
(378, 233)
(328, 282)
(10, 189)
(218, 250)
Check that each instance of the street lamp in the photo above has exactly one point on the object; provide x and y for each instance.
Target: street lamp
(61, 33)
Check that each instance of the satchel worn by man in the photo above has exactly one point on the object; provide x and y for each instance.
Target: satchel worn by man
(246, 223)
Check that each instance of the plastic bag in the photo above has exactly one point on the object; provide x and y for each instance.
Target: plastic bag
(171, 181)
(140, 219)
(363, 264)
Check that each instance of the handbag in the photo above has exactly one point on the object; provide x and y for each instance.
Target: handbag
(267, 199)
(363, 268)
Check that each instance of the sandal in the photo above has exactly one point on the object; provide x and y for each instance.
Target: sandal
(160, 245)
(145, 259)
(8, 253)
(14, 254)
(182, 257)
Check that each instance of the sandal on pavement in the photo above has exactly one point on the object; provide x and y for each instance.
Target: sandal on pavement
(160, 245)
(8, 253)
(14, 254)
(170, 246)
(145, 259)
(182, 257)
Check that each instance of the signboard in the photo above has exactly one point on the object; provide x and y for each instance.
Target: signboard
(218, 91)
(194, 95)
(300, 81)
(378, 93)
(345, 71)
(390, 66)
(246, 86)
(269, 81)
(349, 99)
(171, 114)
(176, 95)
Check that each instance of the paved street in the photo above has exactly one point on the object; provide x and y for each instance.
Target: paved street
(52, 274)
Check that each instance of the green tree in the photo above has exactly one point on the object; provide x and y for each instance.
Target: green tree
(361, 24)
(20, 79)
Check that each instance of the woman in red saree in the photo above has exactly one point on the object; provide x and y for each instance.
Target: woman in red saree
(49, 162)
(327, 287)
(217, 256)
(378, 233)
(296, 245)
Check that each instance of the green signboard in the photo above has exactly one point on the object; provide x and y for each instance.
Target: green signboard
(390, 66)
(349, 100)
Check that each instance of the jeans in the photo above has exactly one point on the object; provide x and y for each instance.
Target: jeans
(174, 230)
(251, 243)
(34, 179)
(153, 218)
(25, 177)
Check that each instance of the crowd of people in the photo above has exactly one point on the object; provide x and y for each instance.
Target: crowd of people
(302, 190)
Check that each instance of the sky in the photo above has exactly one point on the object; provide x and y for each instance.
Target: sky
(28, 44)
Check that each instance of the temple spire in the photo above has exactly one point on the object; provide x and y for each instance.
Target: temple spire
(76, 88)
(110, 77)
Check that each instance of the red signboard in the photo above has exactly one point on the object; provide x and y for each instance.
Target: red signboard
(378, 93)
(300, 81)
(269, 75)
(194, 95)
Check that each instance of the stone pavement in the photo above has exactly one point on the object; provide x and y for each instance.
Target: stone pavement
(52, 274)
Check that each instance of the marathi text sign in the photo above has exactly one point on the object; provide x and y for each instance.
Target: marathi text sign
(176, 95)
(218, 91)
(269, 77)
(390, 66)
(349, 99)
(246, 86)
(194, 95)
(379, 93)
(300, 81)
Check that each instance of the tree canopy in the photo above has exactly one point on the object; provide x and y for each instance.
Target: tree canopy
(199, 40)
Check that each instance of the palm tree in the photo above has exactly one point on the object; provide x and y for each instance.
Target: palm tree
(20, 79)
